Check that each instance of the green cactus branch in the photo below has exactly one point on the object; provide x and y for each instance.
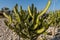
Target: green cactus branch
(46, 8)
(9, 18)
(30, 11)
(16, 13)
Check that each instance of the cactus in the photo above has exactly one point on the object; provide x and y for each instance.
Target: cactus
(28, 25)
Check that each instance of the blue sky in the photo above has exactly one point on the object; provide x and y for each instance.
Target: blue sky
(40, 4)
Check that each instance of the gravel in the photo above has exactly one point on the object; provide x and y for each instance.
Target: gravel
(7, 34)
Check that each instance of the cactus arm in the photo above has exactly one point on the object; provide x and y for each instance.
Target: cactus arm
(40, 30)
(20, 10)
(5, 15)
(46, 8)
(35, 26)
(30, 12)
(10, 20)
(43, 29)
(8, 17)
(17, 14)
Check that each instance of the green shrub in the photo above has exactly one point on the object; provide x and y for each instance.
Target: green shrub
(28, 24)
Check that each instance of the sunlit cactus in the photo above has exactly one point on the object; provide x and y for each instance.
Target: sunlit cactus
(28, 24)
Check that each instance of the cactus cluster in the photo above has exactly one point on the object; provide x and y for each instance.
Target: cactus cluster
(28, 24)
